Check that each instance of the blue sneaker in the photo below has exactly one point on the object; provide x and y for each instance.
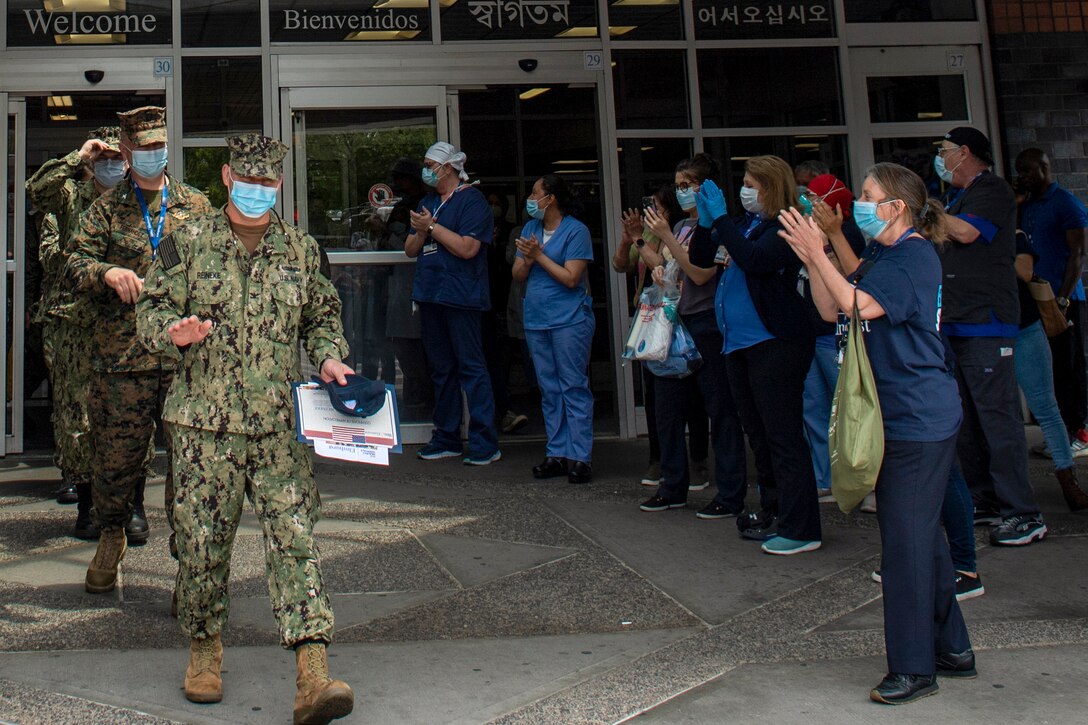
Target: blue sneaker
(474, 460)
(434, 451)
(787, 547)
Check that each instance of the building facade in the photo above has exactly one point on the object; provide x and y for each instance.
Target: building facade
(610, 93)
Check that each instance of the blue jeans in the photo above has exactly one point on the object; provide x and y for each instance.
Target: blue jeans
(820, 383)
(958, 517)
(1034, 374)
(561, 358)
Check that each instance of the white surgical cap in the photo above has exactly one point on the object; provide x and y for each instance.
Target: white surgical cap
(444, 153)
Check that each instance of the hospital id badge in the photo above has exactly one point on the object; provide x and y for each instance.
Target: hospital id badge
(721, 256)
(430, 248)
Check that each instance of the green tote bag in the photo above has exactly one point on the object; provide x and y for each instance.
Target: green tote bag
(856, 434)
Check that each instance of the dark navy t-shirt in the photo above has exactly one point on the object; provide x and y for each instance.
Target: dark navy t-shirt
(918, 395)
(444, 278)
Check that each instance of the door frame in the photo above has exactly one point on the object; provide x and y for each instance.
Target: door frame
(14, 278)
(909, 61)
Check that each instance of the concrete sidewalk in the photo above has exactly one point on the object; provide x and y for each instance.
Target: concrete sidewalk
(473, 595)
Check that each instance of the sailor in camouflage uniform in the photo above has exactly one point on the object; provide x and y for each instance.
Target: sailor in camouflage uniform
(117, 239)
(58, 189)
(230, 297)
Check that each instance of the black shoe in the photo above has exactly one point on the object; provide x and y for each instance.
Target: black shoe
(898, 689)
(67, 494)
(550, 468)
(580, 472)
(957, 664)
(660, 503)
(85, 527)
(715, 510)
(758, 526)
(136, 530)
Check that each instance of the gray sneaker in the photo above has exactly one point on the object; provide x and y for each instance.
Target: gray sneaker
(698, 475)
(1019, 531)
(652, 476)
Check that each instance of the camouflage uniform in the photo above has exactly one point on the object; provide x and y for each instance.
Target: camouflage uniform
(230, 407)
(130, 383)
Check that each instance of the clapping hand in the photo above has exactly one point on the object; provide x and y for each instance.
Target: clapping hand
(421, 220)
(829, 220)
(529, 248)
(710, 202)
(632, 224)
(802, 234)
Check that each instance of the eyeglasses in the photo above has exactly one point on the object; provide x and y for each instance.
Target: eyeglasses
(685, 185)
(946, 149)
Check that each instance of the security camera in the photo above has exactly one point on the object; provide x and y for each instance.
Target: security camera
(527, 64)
(94, 76)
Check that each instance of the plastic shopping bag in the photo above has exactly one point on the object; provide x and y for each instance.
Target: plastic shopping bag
(651, 330)
(683, 358)
(856, 434)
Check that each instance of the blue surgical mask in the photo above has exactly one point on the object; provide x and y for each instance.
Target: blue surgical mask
(686, 198)
(429, 176)
(942, 170)
(533, 209)
(865, 215)
(149, 163)
(749, 199)
(252, 200)
(109, 172)
(806, 206)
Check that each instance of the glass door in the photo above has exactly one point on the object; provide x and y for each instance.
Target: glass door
(907, 98)
(12, 251)
(352, 149)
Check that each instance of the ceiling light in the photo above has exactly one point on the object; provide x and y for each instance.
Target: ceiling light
(83, 6)
(382, 35)
(575, 171)
(739, 158)
(930, 115)
(574, 162)
(532, 93)
(807, 146)
(646, 148)
(614, 30)
(63, 117)
(59, 102)
(90, 39)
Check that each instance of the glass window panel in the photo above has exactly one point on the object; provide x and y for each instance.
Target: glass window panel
(203, 170)
(914, 153)
(917, 98)
(646, 19)
(908, 11)
(648, 164)
(716, 20)
(650, 89)
(220, 23)
(222, 96)
(336, 21)
(770, 87)
(348, 152)
(114, 22)
(520, 20)
(733, 152)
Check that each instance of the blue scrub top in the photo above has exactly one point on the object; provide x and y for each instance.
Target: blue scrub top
(1046, 220)
(919, 398)
(738, 320)
(549, 304)
(443, 278)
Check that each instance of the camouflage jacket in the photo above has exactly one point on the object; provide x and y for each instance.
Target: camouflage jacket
(112, 233)
(54, 190)
(238, 379)
(52, 263)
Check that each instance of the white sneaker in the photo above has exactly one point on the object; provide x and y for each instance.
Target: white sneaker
(698, 476)
(1078, 447)
(652, 476)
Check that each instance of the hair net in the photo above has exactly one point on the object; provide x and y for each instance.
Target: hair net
(444, 153)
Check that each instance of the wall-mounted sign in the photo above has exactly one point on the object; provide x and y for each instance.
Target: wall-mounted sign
(717, 20)
(519, 19)
(337, 21)
(31, 24)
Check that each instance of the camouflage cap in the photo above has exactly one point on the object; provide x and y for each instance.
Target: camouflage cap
(109, 135)
(252, 154)
(143, 126)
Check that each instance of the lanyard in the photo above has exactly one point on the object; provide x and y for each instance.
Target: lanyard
(155, 235)
(953, 198)
(434, 214)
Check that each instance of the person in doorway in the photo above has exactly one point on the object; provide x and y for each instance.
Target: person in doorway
(806, 171)
(58, 186)
(897, 290)
(450, 232)
(230, 298)
(118, 237)
(554, 251)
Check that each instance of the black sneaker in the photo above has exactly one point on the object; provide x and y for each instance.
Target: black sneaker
(986, 517)
(660, 503)
(899, 689)
(715, 510)
(968, 587)
(1019, 531)
(957, 664)
(758, 526)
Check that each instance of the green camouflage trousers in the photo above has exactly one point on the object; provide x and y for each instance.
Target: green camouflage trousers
(124, 409)
(214, 473)
(68, 359)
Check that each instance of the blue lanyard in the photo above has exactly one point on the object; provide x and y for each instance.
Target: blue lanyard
(957, 193)
(155, 235)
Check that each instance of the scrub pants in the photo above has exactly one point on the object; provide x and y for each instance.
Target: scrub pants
(823, 375)
(921, 615)
(452, 339)
(561, 358)
(991, 446)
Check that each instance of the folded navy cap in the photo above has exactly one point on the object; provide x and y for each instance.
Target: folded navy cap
(360, 396)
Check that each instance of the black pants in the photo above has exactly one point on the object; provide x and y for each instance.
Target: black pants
(991, 445)
(1070, 384)
(708, 390)
(768, 382)
(921, 615)
(698, 421)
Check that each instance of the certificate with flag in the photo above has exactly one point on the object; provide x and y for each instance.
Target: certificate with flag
(319, 423)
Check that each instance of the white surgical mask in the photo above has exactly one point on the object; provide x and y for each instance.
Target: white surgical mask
(109, 172)
(749, 199)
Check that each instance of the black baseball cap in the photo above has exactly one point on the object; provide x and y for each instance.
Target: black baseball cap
(361, 396)
(973, 139)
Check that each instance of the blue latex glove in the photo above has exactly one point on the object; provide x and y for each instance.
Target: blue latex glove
(710, 202)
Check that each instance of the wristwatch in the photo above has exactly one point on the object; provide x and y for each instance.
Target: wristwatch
(1063, 302)
(430, 229)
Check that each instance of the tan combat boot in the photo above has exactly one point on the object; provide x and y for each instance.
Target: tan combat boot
(203, 682)
(320, 699)
(102, 573)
